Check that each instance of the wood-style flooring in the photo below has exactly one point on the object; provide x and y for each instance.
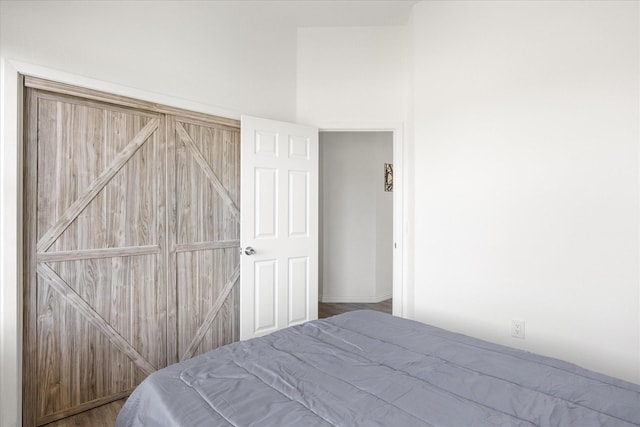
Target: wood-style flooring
(331, 309)
(105, 416)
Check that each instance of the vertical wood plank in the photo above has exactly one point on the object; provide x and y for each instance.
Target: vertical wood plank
(173, 186)
(29, 384)
(157, 184)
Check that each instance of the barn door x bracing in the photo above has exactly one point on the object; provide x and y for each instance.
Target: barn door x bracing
(131, 246)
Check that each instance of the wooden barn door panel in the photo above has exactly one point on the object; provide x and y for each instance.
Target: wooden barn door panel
(207, 166)
(91, 159)
(131, 244)
(94, 340)
(96, 298)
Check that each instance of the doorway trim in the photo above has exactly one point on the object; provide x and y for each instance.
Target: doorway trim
(399, 201)
(11, 210)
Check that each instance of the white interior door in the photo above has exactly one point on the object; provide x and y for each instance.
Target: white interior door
(278, 225)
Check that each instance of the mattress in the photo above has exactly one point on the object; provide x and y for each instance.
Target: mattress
(367, 368)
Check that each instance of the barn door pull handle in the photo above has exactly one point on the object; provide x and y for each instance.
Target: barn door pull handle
(249, 250)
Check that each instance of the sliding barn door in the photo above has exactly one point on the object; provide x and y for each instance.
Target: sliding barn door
(96, 292)
(131, 244)
(207, 168)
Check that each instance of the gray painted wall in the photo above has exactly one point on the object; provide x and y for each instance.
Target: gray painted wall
(356, 217)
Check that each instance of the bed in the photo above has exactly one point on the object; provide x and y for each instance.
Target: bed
(367, 368)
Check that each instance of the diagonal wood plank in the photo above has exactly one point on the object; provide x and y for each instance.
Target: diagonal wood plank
(211, 315)
(72, 297)
(202, 162)
(96, 186)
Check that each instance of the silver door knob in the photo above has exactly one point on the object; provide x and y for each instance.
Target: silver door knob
(249, 250)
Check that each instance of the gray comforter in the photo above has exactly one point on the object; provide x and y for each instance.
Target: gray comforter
(370, 369)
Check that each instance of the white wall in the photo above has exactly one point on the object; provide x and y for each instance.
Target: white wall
(526, 149)
(350, 75)
(357, 217)
(238, 55)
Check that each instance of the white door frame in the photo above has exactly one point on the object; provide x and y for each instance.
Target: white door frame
(399, 202)
(11, 180)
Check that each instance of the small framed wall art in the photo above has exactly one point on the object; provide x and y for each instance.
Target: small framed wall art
(388, 177)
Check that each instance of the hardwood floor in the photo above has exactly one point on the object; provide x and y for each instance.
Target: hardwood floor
(331, 309)
(105, 416)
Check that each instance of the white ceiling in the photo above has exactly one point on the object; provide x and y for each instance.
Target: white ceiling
(329, 13)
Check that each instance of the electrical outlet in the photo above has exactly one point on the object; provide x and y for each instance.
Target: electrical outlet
(517, 328)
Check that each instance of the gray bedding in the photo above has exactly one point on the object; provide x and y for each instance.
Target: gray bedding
(370, 369)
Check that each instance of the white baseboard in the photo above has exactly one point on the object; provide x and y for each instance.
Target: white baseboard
(355, 299)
